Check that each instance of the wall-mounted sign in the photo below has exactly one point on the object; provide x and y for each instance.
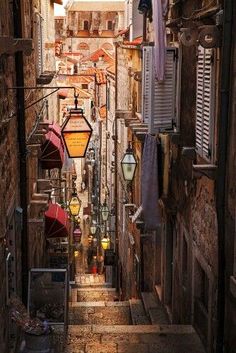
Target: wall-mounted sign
(76, 133)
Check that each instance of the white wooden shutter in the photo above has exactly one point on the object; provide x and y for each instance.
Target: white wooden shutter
(39, 45)
(164, 98)
(159, 98)
(204, 102)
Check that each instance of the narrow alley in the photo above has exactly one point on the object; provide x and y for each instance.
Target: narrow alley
(98, 323)
(117, 176)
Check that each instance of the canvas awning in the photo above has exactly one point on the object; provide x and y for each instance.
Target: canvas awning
(52, 149)
(56, 222)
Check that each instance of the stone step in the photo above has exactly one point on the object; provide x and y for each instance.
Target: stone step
(138, 314)
(96, 294)
(130, 339)
(89, 279)
(93, 285)
(100, 314)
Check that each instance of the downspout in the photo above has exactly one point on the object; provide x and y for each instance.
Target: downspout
(118, 280)
(222, 165)
(20, 95)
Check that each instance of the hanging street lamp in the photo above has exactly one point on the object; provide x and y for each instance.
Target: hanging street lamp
(105, 211)
(74, 205)
(93, 227)
(102, 228)
(105, 242)
(77, 234)
(128, 164)
(76, 133)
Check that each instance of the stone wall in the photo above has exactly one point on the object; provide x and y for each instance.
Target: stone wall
(9, 186)
(230, 237)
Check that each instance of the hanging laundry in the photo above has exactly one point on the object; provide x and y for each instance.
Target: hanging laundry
(159, 9)
(149, 183)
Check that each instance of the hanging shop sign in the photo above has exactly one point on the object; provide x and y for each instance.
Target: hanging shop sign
(76, 134)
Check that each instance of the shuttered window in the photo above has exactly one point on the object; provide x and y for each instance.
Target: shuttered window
(159, 98)
(205, 102)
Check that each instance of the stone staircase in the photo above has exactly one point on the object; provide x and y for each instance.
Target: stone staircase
(100, 313)
(98, 323)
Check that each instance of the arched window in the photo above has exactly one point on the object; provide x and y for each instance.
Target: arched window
(86, 25)
(107, 46)
(83, 46)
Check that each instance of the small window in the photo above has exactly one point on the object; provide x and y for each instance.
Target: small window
(84, 86)
(86, 25)
(109, 25)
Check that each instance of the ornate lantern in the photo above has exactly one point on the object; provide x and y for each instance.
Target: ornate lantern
(74, 205)
(105, 211)
(128, 164)
(76, 133)
(105, 242)
(77, 234)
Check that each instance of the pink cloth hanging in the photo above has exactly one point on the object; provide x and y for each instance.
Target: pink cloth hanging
(159, 8)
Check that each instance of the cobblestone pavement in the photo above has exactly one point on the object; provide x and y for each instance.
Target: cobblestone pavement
(106, 326)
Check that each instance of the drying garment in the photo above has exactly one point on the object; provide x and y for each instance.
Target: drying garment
(149, 183)
(159, 8)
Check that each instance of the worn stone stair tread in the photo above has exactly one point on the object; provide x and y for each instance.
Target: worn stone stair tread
(99, 304)
(92, 285)
(99, 289)
(129, 329)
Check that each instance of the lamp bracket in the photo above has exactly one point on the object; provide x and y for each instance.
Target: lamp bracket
(42, 98)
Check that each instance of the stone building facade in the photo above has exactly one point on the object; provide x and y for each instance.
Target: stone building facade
(183, 260)
(89, 26)
(22, 240)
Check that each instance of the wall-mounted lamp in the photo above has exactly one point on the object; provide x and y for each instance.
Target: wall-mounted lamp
(128, 164)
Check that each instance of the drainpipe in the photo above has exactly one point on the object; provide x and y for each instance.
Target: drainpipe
(116, 180)
(19, 69)
(222, 165)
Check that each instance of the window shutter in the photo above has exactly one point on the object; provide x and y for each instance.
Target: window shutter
(159, 98)
(163, 105)
(147, 83)
(204, 102)
(39, 45)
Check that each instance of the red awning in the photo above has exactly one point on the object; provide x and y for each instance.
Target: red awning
(62, 93)
(56, 222)
(52, 151)
(55, 128)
